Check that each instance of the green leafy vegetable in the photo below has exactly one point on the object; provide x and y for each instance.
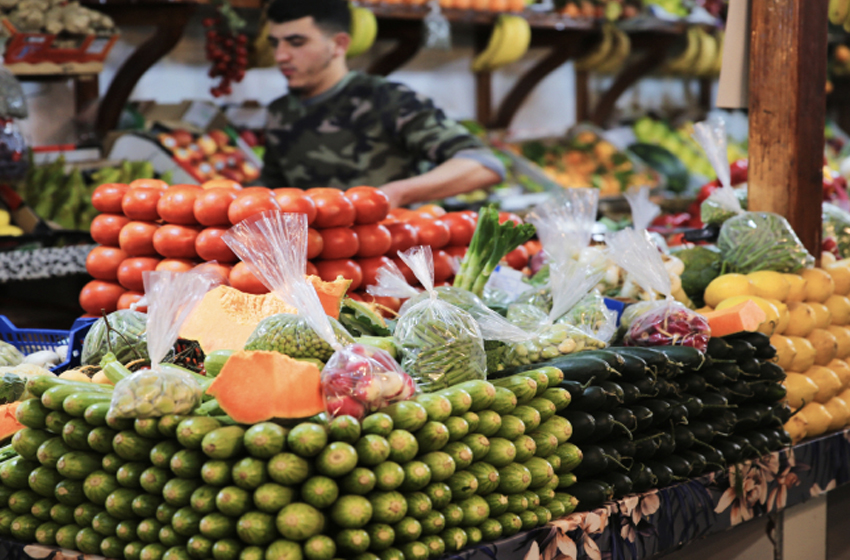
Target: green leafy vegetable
(11, 388)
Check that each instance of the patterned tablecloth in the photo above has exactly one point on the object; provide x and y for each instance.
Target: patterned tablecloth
(640, 526)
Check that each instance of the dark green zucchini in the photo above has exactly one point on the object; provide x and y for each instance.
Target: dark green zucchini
(583, 424)
(591, 399)
(643, 416)
(742, 350)
(684, 357)
(692, 383)
(642, 478)
(645, 447)
(718, 348)
(626, 417)
(666, 445)
(614, 395)
(613, 359)
(620, 482)
(696, 459)
(683, 437)
(663, 474)
(631, 394)
(591, 494)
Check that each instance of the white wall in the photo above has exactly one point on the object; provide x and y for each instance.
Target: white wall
(444, 76)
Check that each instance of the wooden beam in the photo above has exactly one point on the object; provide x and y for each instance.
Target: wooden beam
(787, 98)
(408, 37)
(483, 80)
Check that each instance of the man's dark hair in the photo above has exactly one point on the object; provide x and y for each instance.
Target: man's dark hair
(332, 16)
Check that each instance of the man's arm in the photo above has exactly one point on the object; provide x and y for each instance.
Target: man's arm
(455, 176)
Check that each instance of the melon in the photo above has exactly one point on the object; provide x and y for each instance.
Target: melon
(258, 385)
(226, 317)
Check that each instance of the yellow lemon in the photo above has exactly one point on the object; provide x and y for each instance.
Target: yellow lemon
(817, 419)
(828, 382)
(840, 273)
(769, 284)
(726, 286)
(769, 325)
(826, 347)
(805, 357)
(839, 309)
(819, 284)
(704, 310)
(845, 395)
(784, 317)
(823, 318)
(797, 284)
(842, 370)
(802, 319)
(826, 259)
(799, 390)
(840, 413)
(785, 350)
(842, 337)
(797, 428)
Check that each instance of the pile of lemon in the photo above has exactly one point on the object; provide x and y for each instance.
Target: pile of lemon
(808, 321)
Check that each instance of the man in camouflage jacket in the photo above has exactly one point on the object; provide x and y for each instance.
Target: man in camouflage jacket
(340, 128)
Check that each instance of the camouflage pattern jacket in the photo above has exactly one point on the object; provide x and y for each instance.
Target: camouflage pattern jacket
(363, 131)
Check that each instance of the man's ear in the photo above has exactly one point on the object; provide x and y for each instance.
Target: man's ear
(341, 43)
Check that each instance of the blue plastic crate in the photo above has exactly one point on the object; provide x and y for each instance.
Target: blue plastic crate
(35, 340)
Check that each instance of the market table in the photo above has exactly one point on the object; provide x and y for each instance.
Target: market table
(644, 525)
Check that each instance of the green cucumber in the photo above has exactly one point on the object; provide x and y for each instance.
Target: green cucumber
(153, 479)
(191, 431)
(377, 423)
(271, 497)
(41, 509)
(168, 424)
(416, 475)
(119, 503)
(37, 385)
(233, 501)
(223, 443)
(187, 463)
(131, 446)
(320, 491)
(297, 522)
(66, 536)
(43, 481)
(258, 528)
(307, 439)
(56, 420)
(62, 514)
(186, 521)
(265, 440)
(26, 442)
(343, 428)
(144, 505)
(178, 492)
(32, 414)
(70, 492)
(203, 499)
(360, 481)
(249, 473)
(98, 486)
(15, 472)
(46, 533)
(217, 473)
(215, 360)
(75, 433)
(403, 446)
(96, 413)
(407, 415)
(490, 422)
(129, 475)
(162, 452)
(337, 459)
(77, 403)
(147, 427)
(77, 465)
(21, 502)
(104, 524)
(100, 439)
(216, 526)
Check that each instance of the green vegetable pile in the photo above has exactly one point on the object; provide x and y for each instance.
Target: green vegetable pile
(702, 265)
(9, 355)
(292, 335)
(761, 241)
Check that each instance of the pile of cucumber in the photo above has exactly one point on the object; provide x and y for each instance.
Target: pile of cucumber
(475, 462)
(648, 417)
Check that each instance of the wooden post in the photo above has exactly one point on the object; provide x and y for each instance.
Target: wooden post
(787, 99)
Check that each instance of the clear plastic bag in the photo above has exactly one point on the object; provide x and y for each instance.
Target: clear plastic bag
(273, 245)
(593, 317)
(564, 223)
(661, 323)
(441, 343)
(723, 203)
(294, 336)
(162, 390)
(643, 209)
(762, 241)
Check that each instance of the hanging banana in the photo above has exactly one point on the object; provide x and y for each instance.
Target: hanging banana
(683, 62)
(620, 52)
(508, 43)
(707, 54)
(364, 31)
(600, 52)
(839, 10)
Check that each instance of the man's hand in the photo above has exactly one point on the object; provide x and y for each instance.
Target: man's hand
(455, 176)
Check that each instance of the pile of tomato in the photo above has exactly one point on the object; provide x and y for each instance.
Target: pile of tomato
(148, 225)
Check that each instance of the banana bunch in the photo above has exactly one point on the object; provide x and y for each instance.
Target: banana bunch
(610, 54)
(364, 31)
(839, 13)
(508, 43)
(706, 61)
(261, 54)
(701, 57)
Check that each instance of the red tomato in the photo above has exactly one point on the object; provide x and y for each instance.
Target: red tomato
(315, 243)
(250, 203)
(141, 203)
(176, 241)
(211, 247)
(533, 247)
(136, 238)
(103, 262)
(461, 228)
(177, 205)
(375, 240)
(296, 201)
(402, 214)
(518, 258)
(456, 252)
(472, 214)
(176, 265)
(406, 272)
(311, 269)
(388, 306)
(443, 266)
(510, 217)
(404, 236)
(255, 190)
(244, 280)
(106, 228)
(333, 209)
(107, 197)
(431, 211)
(347, 268)
(432, 232)
(370, 268)
(370, 204)
(339, 243)
(130, 272)
(211, 206)
(129, 298)
(223, 270)
(149, 184)
(98, 297)
(221, 184)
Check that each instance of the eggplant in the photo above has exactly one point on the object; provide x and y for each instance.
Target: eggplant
(713, 458)
(732, 452)
(678, 411)
(714, 376)
(666, 445)
(718, 348)
(594, 461)
(620, 482)
(750, 416)
(680, 466)
(591, 399)
(774, 440)
(663, 474)
(591, 494)
(693, 404)
(781, 412)
(583, 424)
(655, 361)
(696, 459)
(758, 440)
(692, 383)
(749, 450)
(766, 354)
(769, 371)
(631, 394)
(633, 367)
(713, 399)
(645, 448)
(702, 431)
(661, 411)
(757, 340)
(683, 357)
(667, 388)
(613, 359)
(604, 425)
(625, 417)
(683, 437)
(614, 395)
(724, 421)
(574, 388)
(731, 371)
(647, 387)
(741, 387)
(643, 415)
(624, 447)
(742, 350)
(751, 367)
(642, 478)
(768, 391)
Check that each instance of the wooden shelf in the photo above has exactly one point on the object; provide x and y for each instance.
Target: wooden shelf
(52, 69)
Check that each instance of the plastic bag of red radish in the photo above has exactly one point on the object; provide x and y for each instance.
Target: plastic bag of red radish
(669, 324)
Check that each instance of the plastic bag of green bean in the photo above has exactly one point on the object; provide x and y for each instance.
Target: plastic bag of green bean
(761, 241)
(441, 343)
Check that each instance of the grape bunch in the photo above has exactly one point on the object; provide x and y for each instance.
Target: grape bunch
(228, 52)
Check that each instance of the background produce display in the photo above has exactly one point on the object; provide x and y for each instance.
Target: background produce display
(211, 156)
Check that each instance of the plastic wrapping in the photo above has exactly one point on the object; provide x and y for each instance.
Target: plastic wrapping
(163, 390)
(723, 203)
(836, 225)
(762, 241)
(126, 338)
(564, 223)
(666, 323)
(441, 343)
(643, 209)
(592, 316)
(390, 282)
(357, 379)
